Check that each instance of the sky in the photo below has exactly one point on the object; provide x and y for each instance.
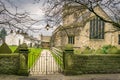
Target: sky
(36, 11)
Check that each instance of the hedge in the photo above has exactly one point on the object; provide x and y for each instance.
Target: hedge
(92, 64)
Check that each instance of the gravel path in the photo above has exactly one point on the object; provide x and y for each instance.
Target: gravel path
(44, 65)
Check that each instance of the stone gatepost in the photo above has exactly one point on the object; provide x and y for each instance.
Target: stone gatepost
(67, 59)
(23, 61)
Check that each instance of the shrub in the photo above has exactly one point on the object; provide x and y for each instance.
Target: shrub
(109, 49)
(77, 51)
(5, 49)
(68, 47)
(99, 51)
(113, 50)
(87, 50)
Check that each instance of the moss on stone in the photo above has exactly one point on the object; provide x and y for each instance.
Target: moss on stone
(22, 46)
(5, 49)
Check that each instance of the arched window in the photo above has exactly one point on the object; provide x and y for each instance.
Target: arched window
(97, 28)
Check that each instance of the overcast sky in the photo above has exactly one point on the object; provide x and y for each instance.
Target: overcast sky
(36, 11)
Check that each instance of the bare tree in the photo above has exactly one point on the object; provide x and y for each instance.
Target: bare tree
(58, 10)
(14, 19)
(55, 9)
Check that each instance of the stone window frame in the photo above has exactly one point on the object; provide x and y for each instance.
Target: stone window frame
(71, 39)
(97, 27)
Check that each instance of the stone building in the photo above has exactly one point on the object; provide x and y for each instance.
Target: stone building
(45, 41)
(84, 29)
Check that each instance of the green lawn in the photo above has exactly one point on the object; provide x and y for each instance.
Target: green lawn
(33, 55)
(13, 48)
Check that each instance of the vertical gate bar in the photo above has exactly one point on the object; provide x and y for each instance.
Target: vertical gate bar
(51, 63)
(32, 64)
(53, 66)
(58, 64)
(59, 68)
(28, 63)
(36, 60)
(46, 63)
(42, 64)
(39, 64)
(35, 63)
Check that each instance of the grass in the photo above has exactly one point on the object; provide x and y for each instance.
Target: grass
(13, 48)
(33, 55)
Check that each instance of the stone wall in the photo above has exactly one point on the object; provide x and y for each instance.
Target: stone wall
(9, 63)
(14, 63)
(93, 64)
